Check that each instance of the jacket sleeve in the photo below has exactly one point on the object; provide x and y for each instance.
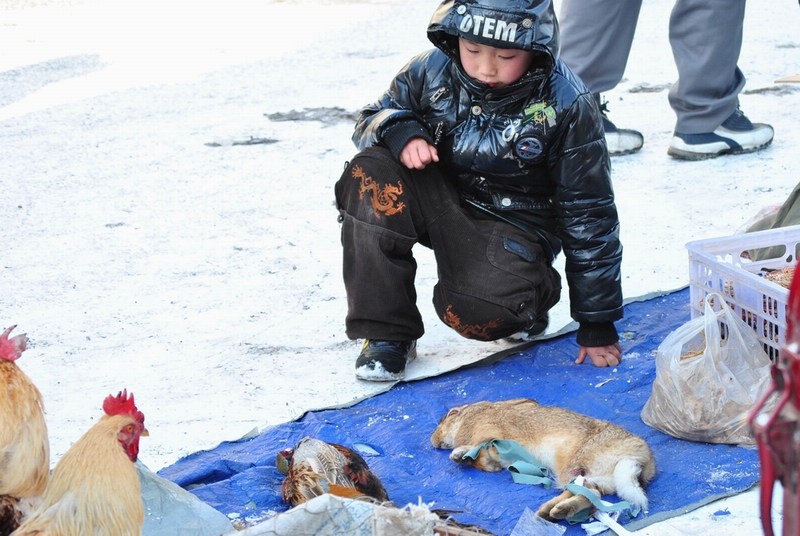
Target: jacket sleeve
(588, 223)
(391, 121)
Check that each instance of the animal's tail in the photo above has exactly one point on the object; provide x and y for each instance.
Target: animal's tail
(627, 481)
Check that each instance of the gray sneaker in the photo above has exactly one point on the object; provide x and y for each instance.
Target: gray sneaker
(384, 361)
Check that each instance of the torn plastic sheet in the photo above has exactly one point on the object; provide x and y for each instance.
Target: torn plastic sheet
(328, 515)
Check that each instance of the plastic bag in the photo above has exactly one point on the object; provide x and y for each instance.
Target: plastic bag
(172, 511)
(705, 385)
(329, 515)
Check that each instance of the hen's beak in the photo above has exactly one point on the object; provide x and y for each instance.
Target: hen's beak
(145, 433)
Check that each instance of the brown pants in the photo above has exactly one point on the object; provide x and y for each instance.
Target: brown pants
(494, 279)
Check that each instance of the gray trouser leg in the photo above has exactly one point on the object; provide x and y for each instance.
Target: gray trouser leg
(596, 37)
(706, 38)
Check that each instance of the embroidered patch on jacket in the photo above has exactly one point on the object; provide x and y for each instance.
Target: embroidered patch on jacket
(468, 330)
(540, 112)
(383, 199)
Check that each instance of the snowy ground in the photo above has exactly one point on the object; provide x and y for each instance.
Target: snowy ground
(146, 248)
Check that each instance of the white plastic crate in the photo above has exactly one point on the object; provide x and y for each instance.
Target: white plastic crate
(722, 265)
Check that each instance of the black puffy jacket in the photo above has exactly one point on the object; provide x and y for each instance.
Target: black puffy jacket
(531, 153)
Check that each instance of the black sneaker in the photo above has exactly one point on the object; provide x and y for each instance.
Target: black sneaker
(384, 361)
(620, 141)
(736, 135)
(534, 332)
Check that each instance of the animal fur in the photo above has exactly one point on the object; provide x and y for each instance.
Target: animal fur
(611, 459)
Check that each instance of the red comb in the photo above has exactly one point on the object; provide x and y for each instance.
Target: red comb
(122, 404)
(11, 349)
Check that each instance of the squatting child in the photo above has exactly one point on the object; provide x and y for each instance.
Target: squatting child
(490, 151)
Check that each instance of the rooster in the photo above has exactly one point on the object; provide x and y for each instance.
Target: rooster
(94, 489)
(314, 467)
(24, 446)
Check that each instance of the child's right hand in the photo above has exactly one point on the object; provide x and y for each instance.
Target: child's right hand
(418, 153)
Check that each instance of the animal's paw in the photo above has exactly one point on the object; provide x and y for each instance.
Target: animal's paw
(570, 507)
(457, 454)
(565, 505)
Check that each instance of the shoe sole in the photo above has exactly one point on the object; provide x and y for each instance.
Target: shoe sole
(519, 338)
(680, 154)
(615, 138)
(623, 153)
(381, 375)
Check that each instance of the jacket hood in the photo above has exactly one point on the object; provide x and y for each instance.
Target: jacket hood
(522, 24)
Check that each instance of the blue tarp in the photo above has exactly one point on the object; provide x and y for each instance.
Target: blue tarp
(241, 476)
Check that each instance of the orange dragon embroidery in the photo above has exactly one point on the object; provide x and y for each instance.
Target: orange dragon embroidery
(480, 333)
(383, 200)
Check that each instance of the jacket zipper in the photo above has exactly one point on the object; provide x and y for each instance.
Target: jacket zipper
(437, 134)
(438, 94)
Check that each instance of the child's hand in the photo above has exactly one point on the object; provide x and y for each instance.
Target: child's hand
(601, 356)
(418, 153)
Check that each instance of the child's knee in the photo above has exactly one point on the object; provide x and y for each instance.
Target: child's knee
(371, 187)
(476, 318)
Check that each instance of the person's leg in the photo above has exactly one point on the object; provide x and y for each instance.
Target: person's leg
(494, 279)
(596, 37)
(706, 39)
(380, 222)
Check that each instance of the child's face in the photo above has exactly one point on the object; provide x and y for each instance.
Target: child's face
(497, 67)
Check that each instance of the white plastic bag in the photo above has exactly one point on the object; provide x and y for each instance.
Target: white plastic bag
(172, 511)
(707, 397)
